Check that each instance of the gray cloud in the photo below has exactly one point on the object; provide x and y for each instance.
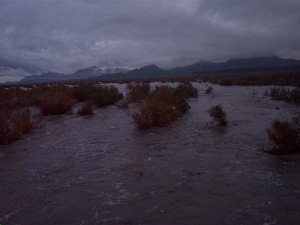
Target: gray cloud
(64, 35)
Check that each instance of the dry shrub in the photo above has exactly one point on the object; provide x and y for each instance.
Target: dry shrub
(54, 103)
(186, 90)
(14, 123)
(107, 95)
(15, 117)
(144, 117)
(86, 109)
(286, 94)
(123, 103)
(161, 108)
(22, 121)
(14, 98)
(53, 99)
(138, 91)
(285, 136)
(84, 92)
(209, 90)
(218, 114)
(101, 95)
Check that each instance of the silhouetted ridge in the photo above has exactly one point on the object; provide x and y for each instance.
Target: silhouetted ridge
(232, 66)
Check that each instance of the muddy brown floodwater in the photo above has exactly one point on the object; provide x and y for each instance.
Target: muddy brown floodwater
(102, 170)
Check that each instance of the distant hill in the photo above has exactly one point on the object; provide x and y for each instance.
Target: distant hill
(44, 78)
(87, 73)
(150, 71)
(95, 71)
(199, 66)
(261, 62)
(233, 66)
(238, 64)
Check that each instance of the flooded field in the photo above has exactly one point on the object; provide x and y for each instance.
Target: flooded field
(103, 170)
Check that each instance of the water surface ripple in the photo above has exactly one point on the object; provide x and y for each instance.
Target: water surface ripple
(102, 170)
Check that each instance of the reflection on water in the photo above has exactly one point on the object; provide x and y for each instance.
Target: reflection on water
(102, 170)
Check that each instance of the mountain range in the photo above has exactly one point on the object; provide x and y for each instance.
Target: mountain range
(79, 74)
(233, 66)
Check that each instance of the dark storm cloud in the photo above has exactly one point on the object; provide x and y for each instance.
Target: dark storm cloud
(64, 35)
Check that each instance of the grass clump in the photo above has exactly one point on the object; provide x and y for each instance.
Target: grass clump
(16, 118)
(162, 107)
(54, 103)
(209, 90)
(107, 95)
(138, 91)
(101, 95)
(14, 123)
(86, 109)
(286, 94)
(187, 90)
(285, 136)
(218, 114)
(84, 92)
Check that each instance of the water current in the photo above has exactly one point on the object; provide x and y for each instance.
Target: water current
(102, 170)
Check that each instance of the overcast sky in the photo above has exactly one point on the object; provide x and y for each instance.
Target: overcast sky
(64, 35)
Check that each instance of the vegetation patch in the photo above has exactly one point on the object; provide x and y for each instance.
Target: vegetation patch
(55, 99)
(100, 95)
(257, 79)
(14, 98)
(163, 106)
(107, 95)
(186, 90)
(285, 136)
(138, 91)
(14, 123)
(86, 109)
(54, 103)
(84, 92)
(286, 94)
(15, 116)
(209, 90)
(219, 115)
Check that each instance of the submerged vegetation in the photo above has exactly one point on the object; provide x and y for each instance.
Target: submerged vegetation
(219, 115)
(16, 118)
(286, 94)
(164, 105)
(209, 90)
(186, 90)
(137, 91)
(16, 105)
(285, 136)
(107, 95)
(54, 103)
(86, 109)
(14, 123)
(100, 95)
(154, 108)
